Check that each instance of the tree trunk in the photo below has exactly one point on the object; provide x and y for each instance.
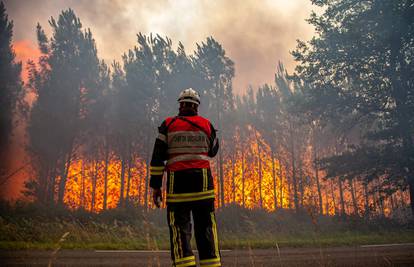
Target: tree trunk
(281, 184)
(233, 170)
(146, 187)
(380, 198)
(83, 193)
(51, 184)
(105, 196)
(42, 194)
(402, 202)
(140, 188)
(259, 158)
(62, 183)
(354, 202)
(393, 207)
(260, 182)
(219, 89)
(289, 194)
(366, 196)
(128, 182)
(381, 204)
(243, 203)
(122, 189)
(293, 165)
(222, 201)
(301, 186)
(341, 196)
(374, 197)
(318, 185)
(218, 191)
(274, 179)
(94, 180)
(333, 197)
(411, 189)
(148, 176)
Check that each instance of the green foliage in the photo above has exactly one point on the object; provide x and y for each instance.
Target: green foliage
(11, 89)
(359, 75)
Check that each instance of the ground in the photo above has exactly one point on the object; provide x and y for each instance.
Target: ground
(366, 256)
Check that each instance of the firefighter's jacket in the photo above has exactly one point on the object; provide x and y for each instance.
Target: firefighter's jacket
(183, 148)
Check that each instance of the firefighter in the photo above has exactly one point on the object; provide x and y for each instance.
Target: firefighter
(184, 145)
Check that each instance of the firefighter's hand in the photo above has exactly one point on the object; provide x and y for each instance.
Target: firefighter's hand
(157, 197)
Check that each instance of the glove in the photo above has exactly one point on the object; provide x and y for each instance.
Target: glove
(157, 197)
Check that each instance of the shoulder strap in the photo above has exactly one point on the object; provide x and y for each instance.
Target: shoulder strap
(171, 122)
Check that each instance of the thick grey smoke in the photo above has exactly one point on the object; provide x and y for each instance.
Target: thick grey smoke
(255, 34)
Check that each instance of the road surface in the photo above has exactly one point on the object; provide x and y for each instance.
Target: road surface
(366, 256)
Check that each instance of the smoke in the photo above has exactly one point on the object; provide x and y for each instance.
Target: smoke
(255, 34)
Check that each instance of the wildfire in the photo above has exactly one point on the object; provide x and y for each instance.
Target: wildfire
(252, 178)
(86, 184)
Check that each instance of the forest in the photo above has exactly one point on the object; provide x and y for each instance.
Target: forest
(334, 137)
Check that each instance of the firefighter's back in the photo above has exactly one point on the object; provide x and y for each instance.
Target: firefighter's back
(189, 176)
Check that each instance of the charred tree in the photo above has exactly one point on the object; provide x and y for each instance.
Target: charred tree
(243, 177)
(341, 196)
(105, 193)
(274, 179)
(128, 182)
(316, 168)
(354, 201)
(366, 199)
(94, 182)
(121, 202)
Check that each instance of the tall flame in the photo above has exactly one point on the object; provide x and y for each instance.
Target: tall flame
(249, 180)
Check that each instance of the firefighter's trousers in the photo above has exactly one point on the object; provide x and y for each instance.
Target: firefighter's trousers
(205, 228)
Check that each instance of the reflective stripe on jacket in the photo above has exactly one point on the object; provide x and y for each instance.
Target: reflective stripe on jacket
(188, 141)
(183, 143)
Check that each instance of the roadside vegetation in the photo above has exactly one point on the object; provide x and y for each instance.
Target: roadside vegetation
(25, 226)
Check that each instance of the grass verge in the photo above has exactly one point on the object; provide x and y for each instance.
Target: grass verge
(232, 242)
(33, 227)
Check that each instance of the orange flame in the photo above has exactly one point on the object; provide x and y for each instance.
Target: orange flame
(249, 179)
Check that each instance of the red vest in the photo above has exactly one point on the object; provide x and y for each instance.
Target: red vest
(188, 144)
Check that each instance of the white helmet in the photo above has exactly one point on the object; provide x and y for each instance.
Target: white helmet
(189, 95)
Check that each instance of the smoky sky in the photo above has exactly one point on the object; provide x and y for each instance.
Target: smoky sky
(255, 34)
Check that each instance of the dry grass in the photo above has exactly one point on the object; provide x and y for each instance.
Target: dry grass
(239, 228)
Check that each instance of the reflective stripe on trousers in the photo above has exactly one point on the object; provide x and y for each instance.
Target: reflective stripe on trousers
(205, 227)
(185, 197)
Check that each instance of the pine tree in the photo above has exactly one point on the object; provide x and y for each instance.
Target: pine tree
(217, 70)
(359, 70)
(65, 83)
(11, 89)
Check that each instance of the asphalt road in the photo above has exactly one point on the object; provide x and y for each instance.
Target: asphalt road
(390, 255)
